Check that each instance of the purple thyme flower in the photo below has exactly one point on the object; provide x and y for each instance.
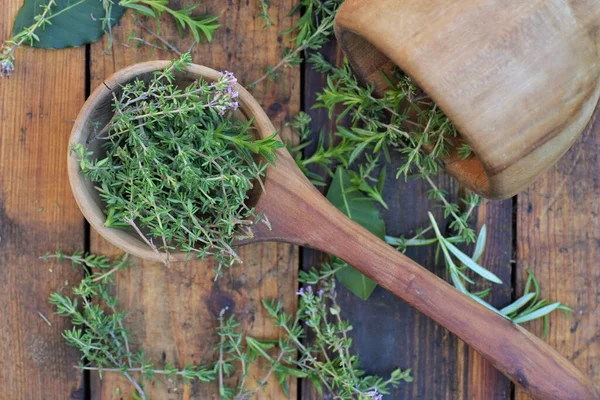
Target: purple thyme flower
(309, 288)
(300, 292)
(320, 292)
(375, 395)
(225, 93)
(6, 68)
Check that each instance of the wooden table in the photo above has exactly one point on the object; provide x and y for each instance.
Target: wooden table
(552, 229)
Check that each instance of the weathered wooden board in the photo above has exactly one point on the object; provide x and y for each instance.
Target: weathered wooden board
(558, 239)
(37, 215)
(174, 310)
(388, 333)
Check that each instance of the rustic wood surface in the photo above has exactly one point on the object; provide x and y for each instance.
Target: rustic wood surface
(552, 229)
(37, 215)
(558, 238)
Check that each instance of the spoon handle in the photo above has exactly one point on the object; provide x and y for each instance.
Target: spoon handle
(522, 357)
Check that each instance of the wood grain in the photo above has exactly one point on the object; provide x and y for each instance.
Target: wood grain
(477, 377)
(37, 215)
(174, 310)
(558, 229)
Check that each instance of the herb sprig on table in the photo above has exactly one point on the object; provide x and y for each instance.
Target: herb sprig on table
(100, 333)
(179, 166)
(49, 25)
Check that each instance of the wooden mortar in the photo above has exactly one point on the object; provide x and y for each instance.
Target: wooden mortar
(519, 79)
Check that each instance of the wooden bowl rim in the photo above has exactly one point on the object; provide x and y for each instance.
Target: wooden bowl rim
(126, 241)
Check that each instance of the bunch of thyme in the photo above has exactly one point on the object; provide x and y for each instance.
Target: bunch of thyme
(178, 165)
(326, 361)
(99, 333)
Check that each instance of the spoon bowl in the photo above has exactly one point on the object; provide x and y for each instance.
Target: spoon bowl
(298, 213)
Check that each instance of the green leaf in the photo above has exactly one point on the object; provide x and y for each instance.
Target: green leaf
(472, 265)
(72, 23)
(343, 195)
(293, 371)
(359, 208)
(537, 314)
(356, 281)
(480, 245)
(517, 304)
(147, 11)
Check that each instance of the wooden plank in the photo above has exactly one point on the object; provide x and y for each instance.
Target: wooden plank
(558, 233)
(477, 378)
(37, 215)
(388, 333)
(174, 310)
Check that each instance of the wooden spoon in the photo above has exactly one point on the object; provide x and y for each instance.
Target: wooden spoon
(300, 214)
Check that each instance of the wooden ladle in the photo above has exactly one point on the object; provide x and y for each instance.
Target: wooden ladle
(300, 214)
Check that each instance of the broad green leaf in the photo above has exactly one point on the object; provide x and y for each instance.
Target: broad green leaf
(363, 211)
(356, 282)
(354, 204)
(73, 22)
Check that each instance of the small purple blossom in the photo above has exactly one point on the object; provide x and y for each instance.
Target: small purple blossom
(320, 292)
(228, 76)
(309, 288)
(300, 292)
(6, 68)
(225, 93)
(375, 395)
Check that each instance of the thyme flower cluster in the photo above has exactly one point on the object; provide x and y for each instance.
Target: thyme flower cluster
(178, 165)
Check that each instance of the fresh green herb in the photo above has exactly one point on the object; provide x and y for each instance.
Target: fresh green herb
(98, 326)
(526, 308)
(264, 13)
(201, 27)
(313, 29)
(27, 35)
(178, 165)
(99, 333)
(349, 200)
(327, 361)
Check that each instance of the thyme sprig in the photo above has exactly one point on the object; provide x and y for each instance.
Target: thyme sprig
(326, 361)
(313, 29)
(99, 333)
(178, 165)
(98, 330)
(201, 27)
(264, 6)
(27, 35)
